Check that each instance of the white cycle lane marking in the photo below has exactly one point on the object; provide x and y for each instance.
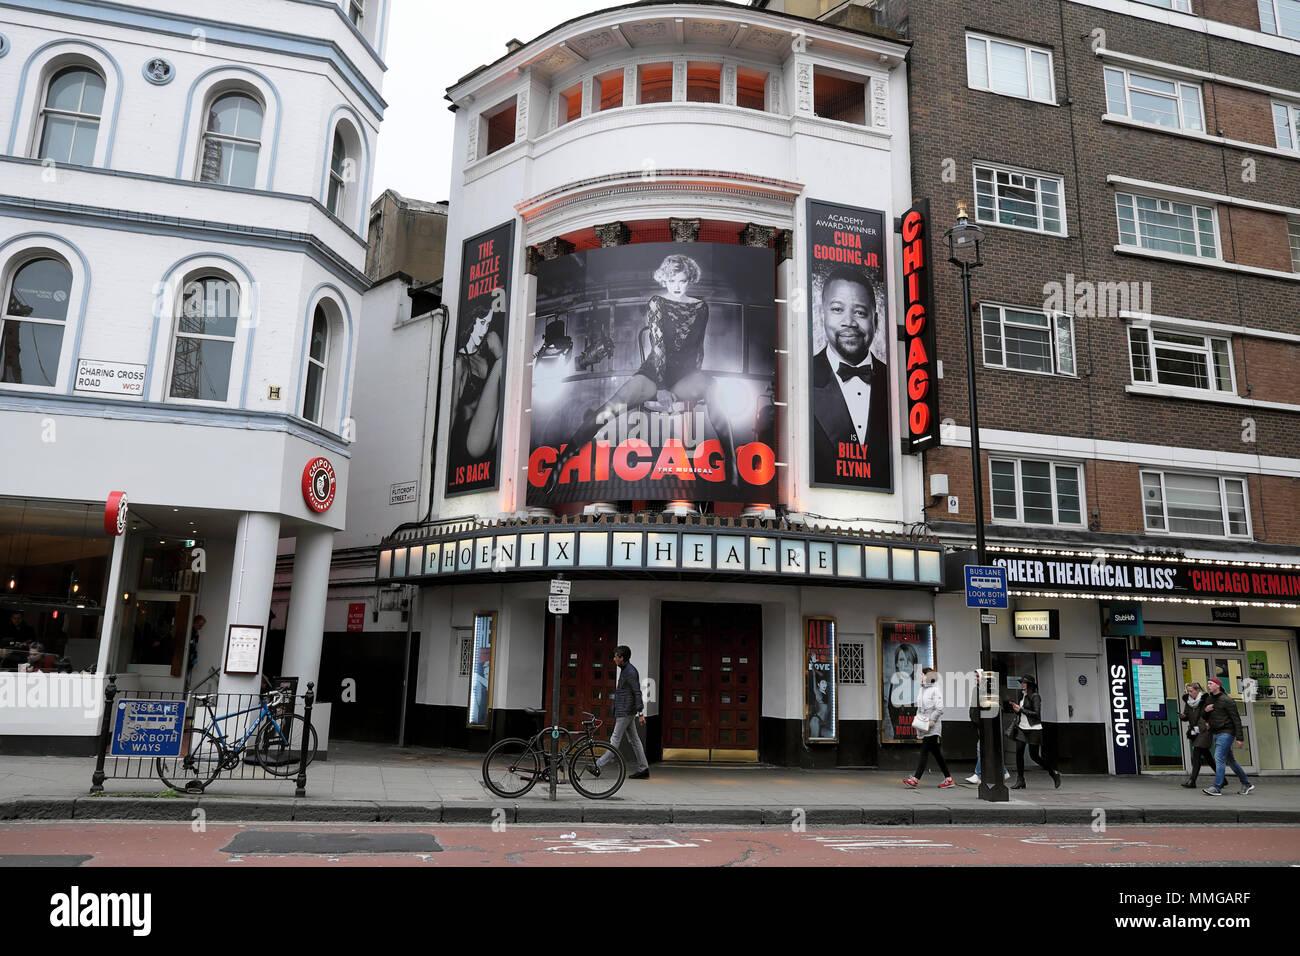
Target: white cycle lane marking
(614, 845)
(1092, 842)
(871, 845)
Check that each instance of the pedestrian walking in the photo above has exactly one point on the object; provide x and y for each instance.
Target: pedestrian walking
(928, 724)
(979, 737)
(1198, 730)
(1027, 730)
(628, 706)
(1225, 725)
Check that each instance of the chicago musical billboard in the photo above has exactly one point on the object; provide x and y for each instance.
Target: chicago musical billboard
(848, 331)
(653, 369)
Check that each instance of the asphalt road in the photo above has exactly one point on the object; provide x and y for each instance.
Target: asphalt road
(227, 845)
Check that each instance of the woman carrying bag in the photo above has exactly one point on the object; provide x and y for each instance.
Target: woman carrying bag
(1198, 731)
(1027, 729)
(928, 725)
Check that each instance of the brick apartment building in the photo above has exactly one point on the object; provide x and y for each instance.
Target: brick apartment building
(1135, 168)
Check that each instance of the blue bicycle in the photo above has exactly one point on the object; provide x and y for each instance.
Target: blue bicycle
(277, 745)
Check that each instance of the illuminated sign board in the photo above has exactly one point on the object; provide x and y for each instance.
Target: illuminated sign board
(918, 328)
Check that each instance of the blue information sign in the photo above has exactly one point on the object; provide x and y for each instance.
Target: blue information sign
(986, 586)
(147, 728)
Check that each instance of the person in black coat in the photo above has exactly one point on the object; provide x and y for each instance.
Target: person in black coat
(1198, 730)
(1027, 729)
(850, 387)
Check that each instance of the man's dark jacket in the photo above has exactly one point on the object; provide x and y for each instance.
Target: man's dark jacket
(833, 424)
(1224, 718)
(627, 694)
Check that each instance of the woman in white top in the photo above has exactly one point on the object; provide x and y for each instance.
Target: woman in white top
(929, 710)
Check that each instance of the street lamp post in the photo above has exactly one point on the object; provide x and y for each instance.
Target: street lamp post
(964, 251)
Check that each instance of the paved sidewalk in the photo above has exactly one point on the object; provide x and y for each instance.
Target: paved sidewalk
(367, 783)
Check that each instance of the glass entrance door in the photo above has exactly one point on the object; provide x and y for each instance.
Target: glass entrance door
(1230, 668)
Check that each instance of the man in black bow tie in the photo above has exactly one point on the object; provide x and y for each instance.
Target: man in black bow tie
(850, 388)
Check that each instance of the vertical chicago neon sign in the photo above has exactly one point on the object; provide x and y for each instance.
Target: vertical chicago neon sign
(918, 324)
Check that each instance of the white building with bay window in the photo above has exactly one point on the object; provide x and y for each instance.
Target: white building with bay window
(182, 247)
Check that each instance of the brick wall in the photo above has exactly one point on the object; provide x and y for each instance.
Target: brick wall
(1270, 368)
(1258, 238)
(1239, 114)
(1241, 13)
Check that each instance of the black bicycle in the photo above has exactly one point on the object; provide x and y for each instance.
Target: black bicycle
(514, 766)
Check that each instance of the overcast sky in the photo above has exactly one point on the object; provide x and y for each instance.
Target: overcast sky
(432, 44)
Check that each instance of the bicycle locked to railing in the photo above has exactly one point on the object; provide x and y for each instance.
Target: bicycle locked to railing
(596, 769)
(188, 744)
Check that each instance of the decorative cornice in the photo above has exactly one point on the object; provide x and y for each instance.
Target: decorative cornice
(684, 230)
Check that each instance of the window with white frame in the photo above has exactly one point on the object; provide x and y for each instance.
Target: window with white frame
(1027, 340)
(1182, 6)
(338, 176)
(1150, 99)
(317, 364)
(1293, 236)
(357, 12)
(1011, 69)
(1180, 359)
(1036, 492)
(1281, 17)
(32, 324)
(1019, 199)
(1286, 125)
(74, 102)
(232, 140)
(1167, 225)
(205, 339)
(1209, 505)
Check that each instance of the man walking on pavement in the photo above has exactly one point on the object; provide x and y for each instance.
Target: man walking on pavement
(1225, 725)
(627, 707)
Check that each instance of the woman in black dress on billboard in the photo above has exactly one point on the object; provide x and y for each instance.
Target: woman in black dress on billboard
(676, 323)
(476, 388)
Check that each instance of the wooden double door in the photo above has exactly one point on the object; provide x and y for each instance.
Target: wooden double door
(710, 678)
(588, 673)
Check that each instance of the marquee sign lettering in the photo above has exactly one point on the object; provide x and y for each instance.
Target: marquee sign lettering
(918, 327)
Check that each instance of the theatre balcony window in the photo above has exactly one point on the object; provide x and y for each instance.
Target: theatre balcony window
(1180, 360)
(703, 82)
(1280, 17)
(1036, 492)
(1009, 69)
(839, 96)
(1166, 225)
(1026, 340)
(655, 83)
(570, 104)
(205, 339)
(500, 123)
(1286, 125)
(70, 116)
(1019, 199)
(31, 327)
(1151, 99)
(609, 87)
(232, 140)
(1206, 505)
(751, 89)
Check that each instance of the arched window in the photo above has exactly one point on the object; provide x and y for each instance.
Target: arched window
(31, 328)
(313, 402)
(205, 339)
(232, 139)
(70, 116)
(337, 200)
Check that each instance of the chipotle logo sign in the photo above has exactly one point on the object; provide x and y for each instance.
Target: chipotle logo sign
(318, 485)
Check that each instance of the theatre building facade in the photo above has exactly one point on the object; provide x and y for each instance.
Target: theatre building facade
(672, 378)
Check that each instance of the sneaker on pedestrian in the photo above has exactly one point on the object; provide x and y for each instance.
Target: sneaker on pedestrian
(973, 778)
(947, 782)
(1006, 774)
(1246, 789)
(1213, 791)
(641, 774)
(912, 782)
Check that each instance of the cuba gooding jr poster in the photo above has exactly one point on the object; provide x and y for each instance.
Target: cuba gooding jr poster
(848, 315)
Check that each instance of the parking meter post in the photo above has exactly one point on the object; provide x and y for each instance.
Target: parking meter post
(105, 735)
(308, 699)
(555, 701)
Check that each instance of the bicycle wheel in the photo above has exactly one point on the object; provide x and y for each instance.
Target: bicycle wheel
(592, 781)
(511, 768)
(279, 750)
(192, 772)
